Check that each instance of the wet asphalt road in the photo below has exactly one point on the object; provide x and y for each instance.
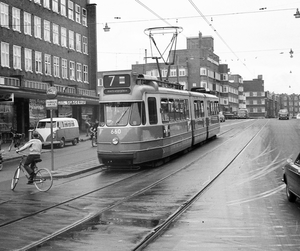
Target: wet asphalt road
(245, 209)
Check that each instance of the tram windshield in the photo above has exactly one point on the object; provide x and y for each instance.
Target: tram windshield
(122, 114)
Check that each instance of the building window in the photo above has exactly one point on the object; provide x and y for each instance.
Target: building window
(182, 72)
(71, 10)
(38, 62)
(47, 31)
(28, 60)
(173, 73)
(79, 72)
(4, 54)
(63, 38)
(71, 40)
(47, 4)
(72, 70)
(47, 64)
(63, 11)
(17, 57)
(164, 73)
(85, 44)
(56, 67)
(254, 94)
(85, 74)
(84, 17)
(55, 6)
(27, 23)
(203, 71)
(55, 34)
(78, 42)
(4, 20)
(64, 68)
(37, 27)
(16, 22)
(77, 13)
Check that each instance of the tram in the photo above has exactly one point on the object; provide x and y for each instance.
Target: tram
(144, 120)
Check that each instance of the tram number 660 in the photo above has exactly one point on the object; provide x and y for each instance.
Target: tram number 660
(115, 131)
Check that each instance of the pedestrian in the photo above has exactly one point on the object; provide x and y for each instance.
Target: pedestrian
(1, 159)
(87, 126)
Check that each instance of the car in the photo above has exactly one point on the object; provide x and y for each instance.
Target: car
(229, 115)
(221, 117)
(298, 116)
(291, 177)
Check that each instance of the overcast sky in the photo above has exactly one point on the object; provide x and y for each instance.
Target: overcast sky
(254, 37)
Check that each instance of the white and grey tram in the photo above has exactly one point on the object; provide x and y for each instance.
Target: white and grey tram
(144, 120)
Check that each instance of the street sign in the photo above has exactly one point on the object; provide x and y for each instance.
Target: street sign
(51, 92)
(51, 103)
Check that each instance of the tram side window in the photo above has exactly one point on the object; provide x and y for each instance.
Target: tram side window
(171, 108)
(164, 110)
(202, 108)
(196, 109)
(214, 107)
(186, 109)
(208, 108)
(177, 112)
(137, 114)
(152, 110)
(199, 108)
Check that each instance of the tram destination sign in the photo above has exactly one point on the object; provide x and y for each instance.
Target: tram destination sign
(116, 84)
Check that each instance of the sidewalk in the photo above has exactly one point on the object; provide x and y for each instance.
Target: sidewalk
(73, 170)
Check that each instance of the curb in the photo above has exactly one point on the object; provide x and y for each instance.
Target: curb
(64, 174)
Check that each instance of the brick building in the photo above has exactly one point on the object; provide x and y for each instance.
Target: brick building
(46, 43)
(255, 97)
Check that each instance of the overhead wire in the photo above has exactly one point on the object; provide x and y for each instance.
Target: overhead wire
(214, 29)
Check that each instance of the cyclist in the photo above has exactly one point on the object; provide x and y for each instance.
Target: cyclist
(94, 127)
(35, 149)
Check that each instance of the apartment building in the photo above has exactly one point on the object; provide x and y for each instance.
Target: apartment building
(47, 43)
(255, 97)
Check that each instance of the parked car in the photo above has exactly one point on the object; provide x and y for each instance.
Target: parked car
(291, 177)
(298, 116)
(221, 117)
(229, 115)
(64, 130)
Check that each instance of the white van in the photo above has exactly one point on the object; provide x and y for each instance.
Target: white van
(64, 130)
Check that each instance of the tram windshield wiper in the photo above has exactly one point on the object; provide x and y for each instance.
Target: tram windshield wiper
(122, 115)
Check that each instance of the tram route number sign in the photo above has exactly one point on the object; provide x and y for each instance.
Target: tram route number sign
(116, 81)
(51, 104)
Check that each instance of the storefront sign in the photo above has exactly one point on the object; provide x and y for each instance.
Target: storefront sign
(72, 102)
(9, 97)
(51, 103)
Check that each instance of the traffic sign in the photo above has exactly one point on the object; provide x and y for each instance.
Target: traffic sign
(51, 103)
(51, 92)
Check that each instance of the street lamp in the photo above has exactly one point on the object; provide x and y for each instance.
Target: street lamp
(297, 14)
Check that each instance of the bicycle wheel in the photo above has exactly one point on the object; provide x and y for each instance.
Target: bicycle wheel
(43, 180)
(15, 179)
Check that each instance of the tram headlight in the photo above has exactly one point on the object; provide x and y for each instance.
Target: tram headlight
(115, 141)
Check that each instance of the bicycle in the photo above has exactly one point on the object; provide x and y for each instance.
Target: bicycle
(43, 179)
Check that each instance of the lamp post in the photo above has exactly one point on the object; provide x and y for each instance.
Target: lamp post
(297, 14)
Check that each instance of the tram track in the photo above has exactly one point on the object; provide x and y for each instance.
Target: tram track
(185, 206)
(158, 229)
